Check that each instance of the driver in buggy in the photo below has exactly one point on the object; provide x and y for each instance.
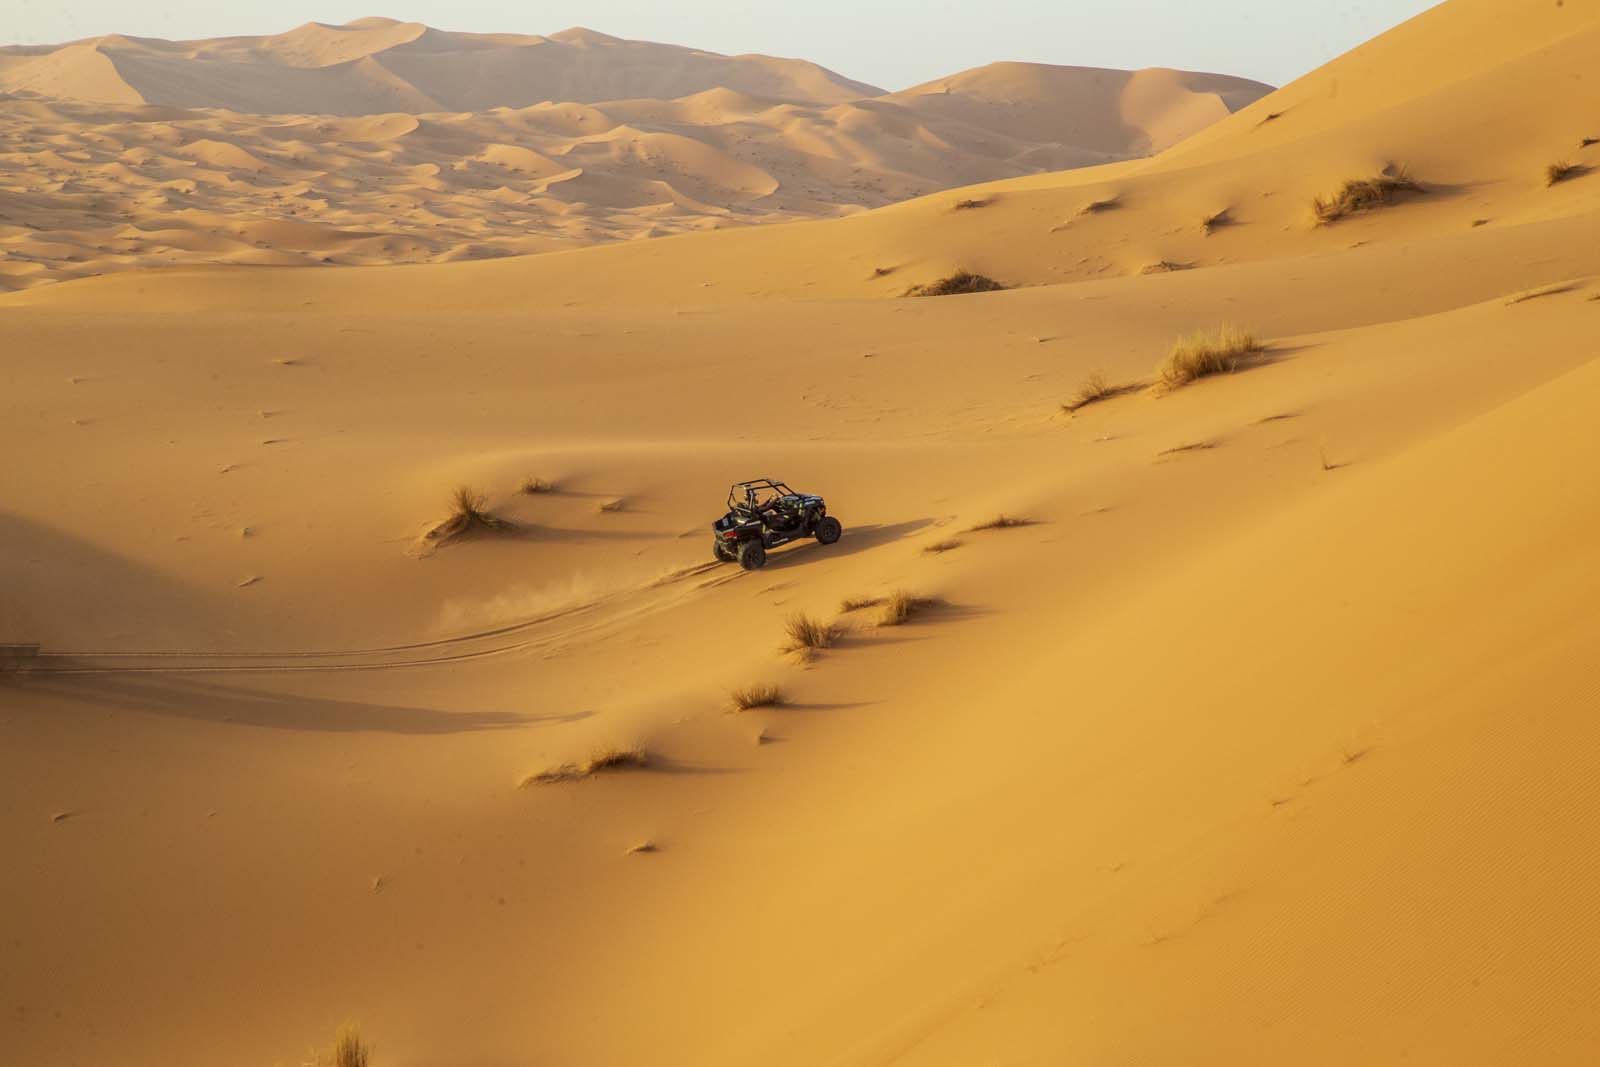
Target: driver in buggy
(773, 512)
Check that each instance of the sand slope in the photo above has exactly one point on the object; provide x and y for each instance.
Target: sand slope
(1270, 740)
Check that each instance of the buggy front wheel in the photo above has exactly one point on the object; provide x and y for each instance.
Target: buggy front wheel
(829, 530)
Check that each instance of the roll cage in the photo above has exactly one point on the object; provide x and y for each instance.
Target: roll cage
(747, 498)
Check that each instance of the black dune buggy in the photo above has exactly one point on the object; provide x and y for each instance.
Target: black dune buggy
(764, 514)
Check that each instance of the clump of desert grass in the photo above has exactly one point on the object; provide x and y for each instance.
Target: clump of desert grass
(1096, 207)
(602, 759)
(1094, 390)
(1206, 353)
(949, 544)
(348, 1050)
(806, 636)
(469, 514)
(971, 204)
(1589, 142)
(1556, 173)
(958, 284)
(851, 604)
(1215, 221)
(1358, 195)
(534, 486)
(1165, 266)
(1536, 294)
(1000, 522)
(749, 697)
(1188, 446)
(610, 507)
(902, 606)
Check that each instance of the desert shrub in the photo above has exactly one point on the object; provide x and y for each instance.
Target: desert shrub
(755, 696)
(468, 514)
(857, 603)
(1364, 194)
(1000, 522)
(1215, 221)
(1536, 294)
(948, 545)
(957, 284)
(901, 606)
(1200, 355)
(1095, 388)
(1095, 207)
(533, 486)
(1556, 173)
(348, 1049)
(605, 758)
(808, 635)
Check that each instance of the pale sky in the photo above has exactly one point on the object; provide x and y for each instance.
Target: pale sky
(891, 43)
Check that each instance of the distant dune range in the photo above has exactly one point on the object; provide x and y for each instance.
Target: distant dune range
(388, 142)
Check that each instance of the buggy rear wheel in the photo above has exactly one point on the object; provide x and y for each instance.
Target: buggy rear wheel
(829, 530)
(752, 555)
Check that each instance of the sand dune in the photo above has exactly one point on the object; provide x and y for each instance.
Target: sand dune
(375, 66)
(1268, 738)
(459, 146)
(1119, 113)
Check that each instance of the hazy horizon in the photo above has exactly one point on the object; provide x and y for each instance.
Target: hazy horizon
(893, 44)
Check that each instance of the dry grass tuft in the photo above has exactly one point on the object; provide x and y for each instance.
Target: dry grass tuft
(1535, 294)
(1188, 446)
(1364, 194)
(755, 696)
(1588, 142)
(808, 635)
(901, 606)
(468, 514)
(1000, 522)
(611, 506)
(348, 1049)
(1556, 173)
(947, 545)
(606, 758)
(857, 603)
(1095, 389)
(1095, 207)
(1215, 221)
(613, 758)
(1165, 266)
(957, 284)
(882, 272)
(533, 486)
(968, 205)
(1207, 352)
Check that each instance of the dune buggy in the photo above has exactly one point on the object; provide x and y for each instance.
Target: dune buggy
(764, 514)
